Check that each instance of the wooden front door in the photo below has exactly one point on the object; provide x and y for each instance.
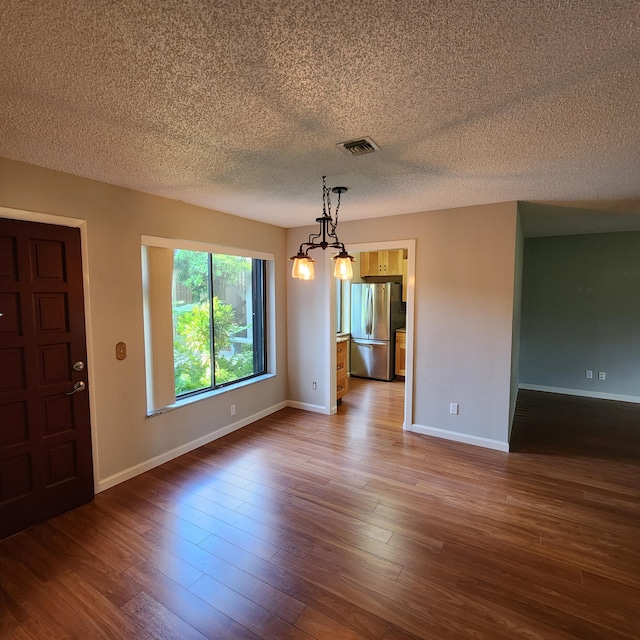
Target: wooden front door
(45, 436)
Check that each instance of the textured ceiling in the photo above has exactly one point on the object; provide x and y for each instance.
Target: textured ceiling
(238, 105)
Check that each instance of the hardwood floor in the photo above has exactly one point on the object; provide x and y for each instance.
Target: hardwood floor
(347, 528)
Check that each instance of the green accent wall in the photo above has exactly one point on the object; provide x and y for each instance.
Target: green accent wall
(581, 310)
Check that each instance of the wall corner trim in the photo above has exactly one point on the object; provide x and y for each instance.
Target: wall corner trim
(465, 438)
(151, 463)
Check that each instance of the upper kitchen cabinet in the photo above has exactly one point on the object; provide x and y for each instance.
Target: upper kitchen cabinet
(381, 263)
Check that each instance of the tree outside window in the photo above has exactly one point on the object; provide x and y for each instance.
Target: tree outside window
(218, 319)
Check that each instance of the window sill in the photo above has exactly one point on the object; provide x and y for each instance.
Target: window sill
(209, 394)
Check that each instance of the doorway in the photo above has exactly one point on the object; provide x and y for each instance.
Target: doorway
(46, 463)
(399, 391)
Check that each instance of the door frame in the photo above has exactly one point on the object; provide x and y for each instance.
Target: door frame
(81, 224)
(330, 320)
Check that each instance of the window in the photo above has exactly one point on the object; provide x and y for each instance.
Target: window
(204, 317)
(218, 320)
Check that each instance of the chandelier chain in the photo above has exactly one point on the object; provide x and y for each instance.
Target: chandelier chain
(335, 224)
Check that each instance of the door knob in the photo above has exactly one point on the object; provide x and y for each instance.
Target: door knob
(78, 386)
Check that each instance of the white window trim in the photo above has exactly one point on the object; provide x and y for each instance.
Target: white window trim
(205, 395)
(204, 247)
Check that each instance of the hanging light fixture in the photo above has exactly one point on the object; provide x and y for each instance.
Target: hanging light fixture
(326, 237)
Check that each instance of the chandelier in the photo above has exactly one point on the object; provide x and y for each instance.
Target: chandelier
(326, 237)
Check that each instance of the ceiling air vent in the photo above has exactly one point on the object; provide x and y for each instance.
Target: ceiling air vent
(359, 147)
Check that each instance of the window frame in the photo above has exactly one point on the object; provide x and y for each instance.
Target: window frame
(258, 288)
(154, 374)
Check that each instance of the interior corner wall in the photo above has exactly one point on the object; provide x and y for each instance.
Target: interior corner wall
(517, 321)
(581, 311)
(309, 339)
(464, 306)
(125, 441)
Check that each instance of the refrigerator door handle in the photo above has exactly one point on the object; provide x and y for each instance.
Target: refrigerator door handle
(369, 324)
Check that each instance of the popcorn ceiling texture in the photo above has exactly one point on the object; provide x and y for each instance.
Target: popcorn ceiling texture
(238, 105)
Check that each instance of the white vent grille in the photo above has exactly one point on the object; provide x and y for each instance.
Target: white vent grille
(359, 147)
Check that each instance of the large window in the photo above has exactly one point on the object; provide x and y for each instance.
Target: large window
(204, 317)
(218, 320)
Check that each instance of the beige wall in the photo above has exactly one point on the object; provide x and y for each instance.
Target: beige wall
(464, 316)
(464, 313)
(124, 439)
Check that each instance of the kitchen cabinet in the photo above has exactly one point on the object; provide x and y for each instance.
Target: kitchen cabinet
(381, 263)
(401, 352)
(368, 264)
(391, 262)
(342, 380)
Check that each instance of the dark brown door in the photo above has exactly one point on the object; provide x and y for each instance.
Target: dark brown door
(45, 435)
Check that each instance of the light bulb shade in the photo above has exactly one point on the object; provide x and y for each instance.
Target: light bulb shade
(306, 270)
(343, 269)
(303, 267)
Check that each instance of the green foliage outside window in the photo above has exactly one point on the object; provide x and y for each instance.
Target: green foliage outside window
(233, 359)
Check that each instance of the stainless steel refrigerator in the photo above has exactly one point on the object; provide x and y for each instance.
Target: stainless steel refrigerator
(377, 311)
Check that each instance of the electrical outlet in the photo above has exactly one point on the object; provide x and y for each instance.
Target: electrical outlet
(588, 374)
(602, 375)
(454, 408)
(233, 409)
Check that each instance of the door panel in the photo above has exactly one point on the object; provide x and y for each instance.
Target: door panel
(371, 360)
(45, 436)
(380, 312)
(359, 307)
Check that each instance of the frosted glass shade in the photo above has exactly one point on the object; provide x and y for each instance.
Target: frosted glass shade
(303, 268)
(343, 269)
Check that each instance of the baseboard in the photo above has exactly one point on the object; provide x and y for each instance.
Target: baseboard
(477, 441)
(136, 470)
(581, 393)
(305, 406)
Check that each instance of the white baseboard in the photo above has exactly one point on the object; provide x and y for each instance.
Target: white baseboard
(477, 441)
(156, 461)
(581, 392)
(305, 406)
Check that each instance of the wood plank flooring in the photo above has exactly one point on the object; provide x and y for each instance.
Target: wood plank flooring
(347, 528)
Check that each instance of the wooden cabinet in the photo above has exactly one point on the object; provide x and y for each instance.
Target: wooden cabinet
(391, 262)
(368, 264)
(342, 380)
(401, 352)
(381, 263)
